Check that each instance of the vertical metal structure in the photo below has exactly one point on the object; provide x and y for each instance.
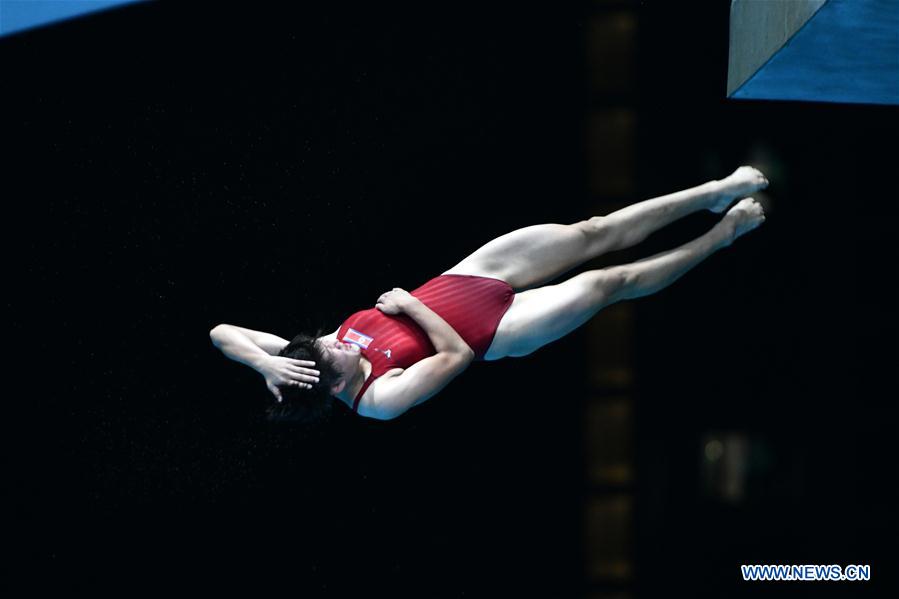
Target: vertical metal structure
(611, 28)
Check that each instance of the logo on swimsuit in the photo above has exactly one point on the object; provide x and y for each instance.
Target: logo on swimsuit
(360, 339)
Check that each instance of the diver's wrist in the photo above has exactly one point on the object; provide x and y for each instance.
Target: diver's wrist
(410, 304)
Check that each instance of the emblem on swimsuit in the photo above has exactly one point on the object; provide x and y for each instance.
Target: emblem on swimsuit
(360, 339)
(385, 352)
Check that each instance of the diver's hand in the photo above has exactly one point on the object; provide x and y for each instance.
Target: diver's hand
(395, 301)
(280, 371)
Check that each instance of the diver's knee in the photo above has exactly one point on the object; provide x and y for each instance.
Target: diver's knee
(611, 284)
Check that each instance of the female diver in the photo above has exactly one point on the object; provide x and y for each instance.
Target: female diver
(493, 304)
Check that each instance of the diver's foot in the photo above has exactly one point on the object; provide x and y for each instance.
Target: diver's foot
(739, 184)
(744, 216)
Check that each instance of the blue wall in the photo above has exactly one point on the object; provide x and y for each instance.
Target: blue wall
(19, 15)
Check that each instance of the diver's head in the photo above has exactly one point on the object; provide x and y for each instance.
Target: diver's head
(312, 405)
(344, 358)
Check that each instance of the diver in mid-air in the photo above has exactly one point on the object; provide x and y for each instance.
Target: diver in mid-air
(494, 304)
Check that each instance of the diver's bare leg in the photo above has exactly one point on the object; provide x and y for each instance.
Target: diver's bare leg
(537, 254)
(540, 316)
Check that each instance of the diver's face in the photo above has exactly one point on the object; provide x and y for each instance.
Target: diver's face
(344, 356)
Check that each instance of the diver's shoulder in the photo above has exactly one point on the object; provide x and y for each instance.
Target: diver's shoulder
(368, 402)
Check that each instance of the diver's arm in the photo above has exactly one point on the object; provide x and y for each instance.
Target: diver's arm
(424, 379)
(270, 344)
(392, 396)
(443, 337)
(241, 347)
(278, 371)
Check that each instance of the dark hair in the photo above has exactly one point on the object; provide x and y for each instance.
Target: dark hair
(307, 406)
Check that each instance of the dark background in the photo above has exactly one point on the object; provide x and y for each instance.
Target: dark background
(169, 168)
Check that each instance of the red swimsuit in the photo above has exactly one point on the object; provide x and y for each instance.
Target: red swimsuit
(472, 305)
